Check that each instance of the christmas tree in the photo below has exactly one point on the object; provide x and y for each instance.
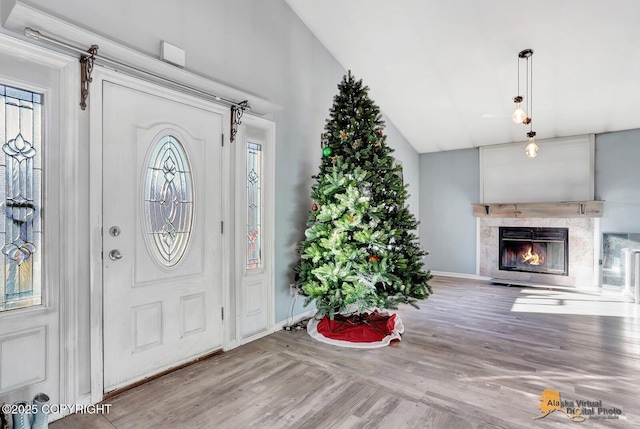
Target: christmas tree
(360, 250)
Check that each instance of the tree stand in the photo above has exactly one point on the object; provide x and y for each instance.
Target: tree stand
(367, 330)
(376, 322)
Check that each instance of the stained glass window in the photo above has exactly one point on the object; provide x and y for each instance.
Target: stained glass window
(254, 206)
(168, 205)
(21, 196)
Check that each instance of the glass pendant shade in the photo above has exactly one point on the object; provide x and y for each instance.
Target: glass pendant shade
(532, 149)
(518, 115)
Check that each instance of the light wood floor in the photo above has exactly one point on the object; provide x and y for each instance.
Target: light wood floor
(466, 360)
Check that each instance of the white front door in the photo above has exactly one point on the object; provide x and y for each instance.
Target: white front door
(162, 246)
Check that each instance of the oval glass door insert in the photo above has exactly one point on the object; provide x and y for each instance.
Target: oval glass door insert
(168, 205)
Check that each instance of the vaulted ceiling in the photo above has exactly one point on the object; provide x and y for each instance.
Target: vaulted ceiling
(445, 72)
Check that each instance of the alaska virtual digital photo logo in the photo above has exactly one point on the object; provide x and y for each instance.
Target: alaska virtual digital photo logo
(578, 410)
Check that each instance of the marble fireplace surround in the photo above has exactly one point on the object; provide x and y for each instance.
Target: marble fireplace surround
(583, 251)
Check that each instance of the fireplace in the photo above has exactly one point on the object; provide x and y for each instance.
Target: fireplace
(534, 250)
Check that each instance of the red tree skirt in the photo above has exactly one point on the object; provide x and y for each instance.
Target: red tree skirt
(376, 329)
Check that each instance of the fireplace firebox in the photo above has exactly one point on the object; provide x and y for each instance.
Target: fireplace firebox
(534, 250)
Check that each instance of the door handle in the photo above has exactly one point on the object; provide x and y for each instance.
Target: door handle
(115, 254)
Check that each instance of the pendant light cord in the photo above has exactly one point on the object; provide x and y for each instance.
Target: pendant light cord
(518, 93)
(531, 92)
(528, 90)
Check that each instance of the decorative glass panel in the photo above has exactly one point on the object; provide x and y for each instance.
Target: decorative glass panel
(254, 205)
(20, 193)
(168, 205)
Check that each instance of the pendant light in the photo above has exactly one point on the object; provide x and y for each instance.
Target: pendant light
(519, 115)
(532, 148)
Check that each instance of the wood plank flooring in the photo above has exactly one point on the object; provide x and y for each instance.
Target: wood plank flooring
(466, 360)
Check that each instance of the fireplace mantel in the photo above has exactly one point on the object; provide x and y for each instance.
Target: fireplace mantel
(561, 210)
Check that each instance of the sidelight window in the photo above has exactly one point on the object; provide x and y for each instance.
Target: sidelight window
(21, 198)
(254, 205)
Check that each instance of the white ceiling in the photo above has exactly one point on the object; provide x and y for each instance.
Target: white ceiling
(445, 71)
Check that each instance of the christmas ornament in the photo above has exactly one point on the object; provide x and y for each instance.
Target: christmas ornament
(381, 132)
(334, 158)
(314, 207)
(373, 258)
(327, 151)
(343, 135)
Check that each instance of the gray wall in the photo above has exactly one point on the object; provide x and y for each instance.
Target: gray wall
(410, 165)
(618, 180)
(448, 186)
(259, 47)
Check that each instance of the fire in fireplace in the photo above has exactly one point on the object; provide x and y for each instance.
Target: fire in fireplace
(534, 250)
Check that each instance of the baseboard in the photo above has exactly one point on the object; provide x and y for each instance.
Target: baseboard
(460, 275)
(298, 317)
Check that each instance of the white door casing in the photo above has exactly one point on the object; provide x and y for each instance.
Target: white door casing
(158, 313)
(254, 285)
(31, 357)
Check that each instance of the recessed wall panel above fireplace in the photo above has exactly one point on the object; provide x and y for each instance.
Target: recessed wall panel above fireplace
(562, 171)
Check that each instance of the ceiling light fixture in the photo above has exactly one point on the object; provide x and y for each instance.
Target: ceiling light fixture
(519, 115)
(532, 148)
